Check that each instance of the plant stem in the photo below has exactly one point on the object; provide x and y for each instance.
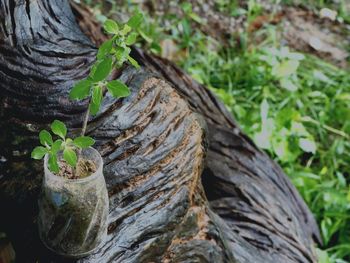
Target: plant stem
(86, 118)
(83, 130)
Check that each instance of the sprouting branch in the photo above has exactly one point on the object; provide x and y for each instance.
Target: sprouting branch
(112, 53)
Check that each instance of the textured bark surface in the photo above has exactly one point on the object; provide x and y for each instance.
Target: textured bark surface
(185, 185)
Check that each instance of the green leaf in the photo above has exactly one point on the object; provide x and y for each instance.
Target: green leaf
(105, 49)
(286, 68)
(84, 141)
(133, 62)
(126, 30)
(59, 128)
(96, 100)
(131, 38)
(97, 95)
(297, 128)
(111, 26)
(280, 146)
(196, 18)
(264, 110)
(69, 141)
(118, 89)
(119, 53)
(319, 75)
(156, 48)
(39, 152)
(92, 71)
(307, 145)
(186, 7)
(122, 54)
(186, 28)
(262, 139)
(288, 84)
(135, 20)
(53, 164)
(56, 146)
(147, 38)
(102, 70)
(322, 256)
(70, 157)
(45, 138)
(80, 90)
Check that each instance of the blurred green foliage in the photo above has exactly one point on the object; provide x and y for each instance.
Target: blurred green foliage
(295, 106)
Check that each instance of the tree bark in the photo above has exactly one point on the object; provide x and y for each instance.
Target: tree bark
(185, 184)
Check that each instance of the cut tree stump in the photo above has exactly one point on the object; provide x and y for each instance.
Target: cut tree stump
(185, 184)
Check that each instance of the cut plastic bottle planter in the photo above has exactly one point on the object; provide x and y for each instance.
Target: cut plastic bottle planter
(73, 212)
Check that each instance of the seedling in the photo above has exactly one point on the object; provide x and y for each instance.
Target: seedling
(113, 53)
(67, 145)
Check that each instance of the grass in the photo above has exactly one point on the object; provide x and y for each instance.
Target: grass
(295, 106)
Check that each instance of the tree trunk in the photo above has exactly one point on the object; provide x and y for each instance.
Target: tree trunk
(185, 184)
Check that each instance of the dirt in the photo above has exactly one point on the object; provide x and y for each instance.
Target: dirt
(306, 31)
(302, 29)
(83, 169)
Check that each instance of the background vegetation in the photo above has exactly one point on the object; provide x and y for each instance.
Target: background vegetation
(294, 105)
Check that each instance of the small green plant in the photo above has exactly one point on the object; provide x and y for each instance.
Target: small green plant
(67, 145)
(113, 53)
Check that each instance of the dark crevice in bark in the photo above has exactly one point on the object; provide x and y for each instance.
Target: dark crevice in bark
(13, 23)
